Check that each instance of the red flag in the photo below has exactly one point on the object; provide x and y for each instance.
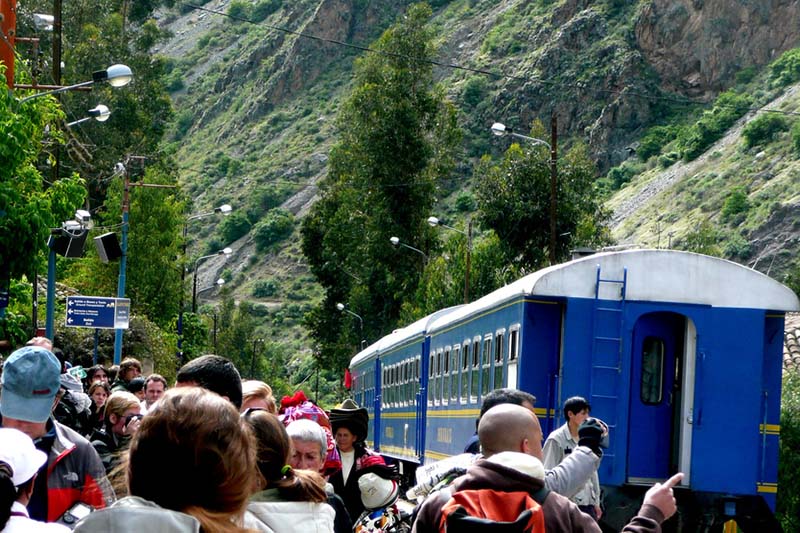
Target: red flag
(348, 379)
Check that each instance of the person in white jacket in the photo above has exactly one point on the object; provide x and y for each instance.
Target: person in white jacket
(286, 499)
(19, 463)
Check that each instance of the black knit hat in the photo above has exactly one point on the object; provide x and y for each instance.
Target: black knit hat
(349, 415)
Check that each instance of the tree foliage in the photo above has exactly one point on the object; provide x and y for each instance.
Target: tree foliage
(514, 201)
(28, 209)
(396, 135)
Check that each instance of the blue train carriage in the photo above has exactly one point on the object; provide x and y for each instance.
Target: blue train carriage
(388, 381)
(679, 353)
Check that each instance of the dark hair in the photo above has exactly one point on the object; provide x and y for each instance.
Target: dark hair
(214, 373)
(155, 377)
(501, 396)
(94, 370)
(8, 492)
(273, 448)
(575, 405)
(136, 384)
(192, 453)
(128, 363)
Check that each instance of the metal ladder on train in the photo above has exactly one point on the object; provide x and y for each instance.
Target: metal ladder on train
(607, 331)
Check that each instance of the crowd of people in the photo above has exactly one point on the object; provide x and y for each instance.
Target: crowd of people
(214, 453)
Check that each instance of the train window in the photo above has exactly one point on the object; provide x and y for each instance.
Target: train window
(487, 365)
(384, 387)
(513, 356)
(392, 376)
(430, 380)
(454, 366)
(652, 383)
(404, 383)
(476, 370)
(498, 360)
(465, 373)
(446, 375)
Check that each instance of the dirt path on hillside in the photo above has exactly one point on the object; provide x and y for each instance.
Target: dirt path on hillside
(680, 170)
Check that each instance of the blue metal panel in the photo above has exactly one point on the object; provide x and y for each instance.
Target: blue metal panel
(769, 427)
(376, 416)
(728, 402)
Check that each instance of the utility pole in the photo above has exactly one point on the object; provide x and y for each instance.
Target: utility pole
(123, 261)
(468, 265)
(553, 185)
(8, 27)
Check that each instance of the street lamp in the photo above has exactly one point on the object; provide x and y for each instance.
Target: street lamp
(115, 75)
(100, 113)
(225, 209)
(396, 242)
(500, 129)
(341, 307)
(433, 221)
(225, 251)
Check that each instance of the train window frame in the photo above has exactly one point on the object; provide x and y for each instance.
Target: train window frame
(404, 383)
(455, 381)
(445, 394)
(465, 368)
(652, 374)
(415, 389)
(486, 365)
(437, 385)
(393, 384)
(475, 370)
(498, 353)
(432, 367)
(513, 356)
(384, 387)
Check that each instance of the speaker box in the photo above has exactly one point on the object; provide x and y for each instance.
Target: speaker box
(68, 244)
(108, 247)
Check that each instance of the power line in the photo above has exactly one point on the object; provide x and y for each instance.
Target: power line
(496, 75)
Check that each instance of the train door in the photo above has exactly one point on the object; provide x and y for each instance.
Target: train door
(656, 434)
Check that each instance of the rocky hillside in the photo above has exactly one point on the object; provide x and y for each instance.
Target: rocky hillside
(257, 85)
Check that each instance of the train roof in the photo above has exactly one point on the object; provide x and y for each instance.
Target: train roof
(653, 275)
(399, 336)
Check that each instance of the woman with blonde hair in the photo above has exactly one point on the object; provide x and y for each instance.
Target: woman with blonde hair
(257, 394)
(286, 499)
(121, 418)
(190, 468)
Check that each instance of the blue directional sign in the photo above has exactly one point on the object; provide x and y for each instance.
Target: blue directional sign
(98, 312)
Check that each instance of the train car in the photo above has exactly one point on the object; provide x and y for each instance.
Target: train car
(679, 353)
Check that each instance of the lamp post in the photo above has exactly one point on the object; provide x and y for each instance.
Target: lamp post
(225, 251)
(396, 242)
(100, 113)
(225, 209)
(433, 221)
(341, 307)
(72, 229)
(116, 76)
(500, 130)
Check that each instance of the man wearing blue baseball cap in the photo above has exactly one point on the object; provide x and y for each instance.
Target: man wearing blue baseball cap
(73, 472)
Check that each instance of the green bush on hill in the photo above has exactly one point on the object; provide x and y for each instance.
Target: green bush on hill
(234, 227)
(796, 137)
(763, 128)
(786, 69)
(735, 204)
(727, 109)
(788, 505)
(277, 225)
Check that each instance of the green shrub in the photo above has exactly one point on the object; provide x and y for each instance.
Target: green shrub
(788, 505)
(654, 140)
(668, 159)
(465, 202)
(735, 203)
(277, 225)
(727, 109)
(786, 69)
(763, 128)
(233, 227)
(239, 9)
(265, 288)
(796, 137)
(264, 198)
(264, 8)
(474, 90)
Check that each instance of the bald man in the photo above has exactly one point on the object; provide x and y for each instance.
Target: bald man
(511, 440)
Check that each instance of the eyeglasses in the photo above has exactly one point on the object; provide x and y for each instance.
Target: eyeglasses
(131, 417)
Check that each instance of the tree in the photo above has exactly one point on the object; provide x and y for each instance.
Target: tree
(27, 209)
(396, 135)
(514, 201)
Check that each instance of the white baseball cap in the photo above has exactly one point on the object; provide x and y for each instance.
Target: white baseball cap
(18, 451)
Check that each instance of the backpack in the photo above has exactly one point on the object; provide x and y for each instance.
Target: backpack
(492, 511)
